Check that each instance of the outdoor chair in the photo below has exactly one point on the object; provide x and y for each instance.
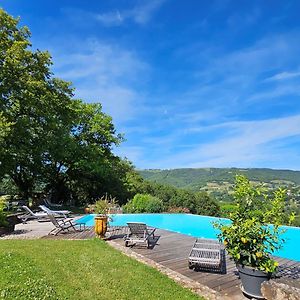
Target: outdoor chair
(63, 213)
(64, 225)
(206, 254)
(139, 233)
(32, 215)
(50, 204)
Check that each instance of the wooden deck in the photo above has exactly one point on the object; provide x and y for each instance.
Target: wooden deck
(171, 250)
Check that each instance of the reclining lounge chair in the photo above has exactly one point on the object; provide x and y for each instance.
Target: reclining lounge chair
(32, 215)
(51, 204)
(64, 225)
(139, 233)
(62, 213)
(206, 254)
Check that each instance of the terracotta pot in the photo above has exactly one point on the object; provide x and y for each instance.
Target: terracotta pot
(101, 225)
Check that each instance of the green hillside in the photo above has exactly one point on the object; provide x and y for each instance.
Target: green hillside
(220, 178)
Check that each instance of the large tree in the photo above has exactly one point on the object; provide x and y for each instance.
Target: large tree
(47, 138)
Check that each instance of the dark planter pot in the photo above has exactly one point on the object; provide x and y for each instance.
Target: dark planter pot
(7, 229)
(12, 220)
(251, 281)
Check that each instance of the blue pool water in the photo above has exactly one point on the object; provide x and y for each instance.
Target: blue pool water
(197, 226)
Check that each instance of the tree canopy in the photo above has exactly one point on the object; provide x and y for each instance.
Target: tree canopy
(49, 141)
(53, 144)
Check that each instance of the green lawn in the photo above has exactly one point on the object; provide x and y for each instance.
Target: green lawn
(89, 269)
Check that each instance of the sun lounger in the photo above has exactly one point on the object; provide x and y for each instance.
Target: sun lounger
(64, 225)
(51, 204)
(63, 213)
(32, 215)
(139, 233)
(206, 254)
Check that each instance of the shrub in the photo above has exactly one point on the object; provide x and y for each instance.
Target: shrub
(180, 210)
(248, 238)
(206, 205)
(3, 221)
(227, 209)
(144, 203)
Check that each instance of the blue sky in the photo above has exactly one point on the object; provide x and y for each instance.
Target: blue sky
(189, 83)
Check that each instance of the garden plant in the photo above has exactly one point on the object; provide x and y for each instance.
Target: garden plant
(248, 238)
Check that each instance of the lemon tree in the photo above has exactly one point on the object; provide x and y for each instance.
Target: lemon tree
(249, 238)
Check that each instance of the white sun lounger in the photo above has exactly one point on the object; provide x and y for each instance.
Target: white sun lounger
(63, 213)
(51, 204)
(32, 215)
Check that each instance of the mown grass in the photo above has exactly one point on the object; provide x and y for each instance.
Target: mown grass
(89, 269)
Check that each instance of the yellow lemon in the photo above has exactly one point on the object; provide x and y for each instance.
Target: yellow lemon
(244, 240)
(258, 254)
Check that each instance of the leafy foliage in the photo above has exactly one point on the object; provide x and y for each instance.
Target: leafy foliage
(226, 209)
(248, 239)
(3, 221)
(196, 203)
(51, 143)
(144, 203)
(178, 210)
(104, 205)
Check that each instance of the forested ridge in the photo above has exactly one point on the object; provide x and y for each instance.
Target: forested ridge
(196, 178)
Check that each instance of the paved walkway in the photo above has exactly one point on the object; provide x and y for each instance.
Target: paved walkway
(30, 230)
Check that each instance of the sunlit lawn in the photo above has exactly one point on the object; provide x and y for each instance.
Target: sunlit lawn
(89, 269)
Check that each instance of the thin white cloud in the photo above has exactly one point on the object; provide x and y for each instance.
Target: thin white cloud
(104, 73)
(283, 76)
(210, 105)
(110, 19)
(133, 153)
(224, 86)
(238, 21)
(232, 81)
(275, 92)
(247, 143)
(107, 62)
(140, 14)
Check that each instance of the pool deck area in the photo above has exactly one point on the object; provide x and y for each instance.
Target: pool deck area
(169, 253)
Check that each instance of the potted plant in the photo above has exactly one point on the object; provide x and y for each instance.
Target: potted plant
(102, 208)
(3, 222)
(6, 225)
(248, 238)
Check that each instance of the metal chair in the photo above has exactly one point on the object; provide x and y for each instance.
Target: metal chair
(206, 254)
(139, 233)
(64, 225)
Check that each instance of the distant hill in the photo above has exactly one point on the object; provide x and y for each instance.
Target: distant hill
(219, 180)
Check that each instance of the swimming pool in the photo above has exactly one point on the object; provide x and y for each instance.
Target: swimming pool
(197, 226)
